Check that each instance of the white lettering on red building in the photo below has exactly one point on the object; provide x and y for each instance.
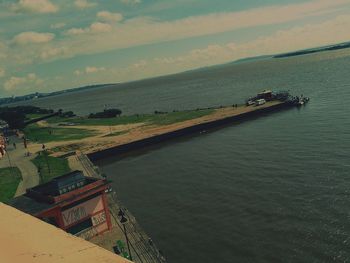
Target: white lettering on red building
(83, 210)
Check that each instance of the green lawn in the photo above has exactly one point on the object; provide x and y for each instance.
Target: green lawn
(174, 117)
(157, 119)
(39, 134)
(9, 180)
(58, 119)
(103, 121)
(50, 167)
(46, 134)
(35, 116)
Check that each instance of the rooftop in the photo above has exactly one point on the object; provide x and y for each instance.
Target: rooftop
(28, 239)
(63, 188)
(29, 205)
(63, 184)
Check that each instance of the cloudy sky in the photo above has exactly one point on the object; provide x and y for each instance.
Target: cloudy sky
(48, 45)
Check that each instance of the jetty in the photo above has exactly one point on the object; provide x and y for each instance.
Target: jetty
(139, 138)
(100, 138)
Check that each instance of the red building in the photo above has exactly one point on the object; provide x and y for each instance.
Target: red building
(72, 202)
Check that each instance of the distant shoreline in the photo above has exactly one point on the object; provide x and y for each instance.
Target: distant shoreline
(6, 101)
(312, 51)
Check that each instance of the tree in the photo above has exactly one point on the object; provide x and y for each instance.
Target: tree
(110, 113)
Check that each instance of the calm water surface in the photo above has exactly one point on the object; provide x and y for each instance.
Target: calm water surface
(273, 189)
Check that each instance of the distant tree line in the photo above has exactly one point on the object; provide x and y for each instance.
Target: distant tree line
(66, 114)
(16, 116)
(108, 113)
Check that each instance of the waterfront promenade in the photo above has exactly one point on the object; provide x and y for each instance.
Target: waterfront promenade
(16, 157)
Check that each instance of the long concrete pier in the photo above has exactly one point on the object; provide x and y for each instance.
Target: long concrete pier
(221, 117)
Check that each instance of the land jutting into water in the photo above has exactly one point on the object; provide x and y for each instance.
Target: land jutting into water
(63, 136)
(50, 135)
(314, 50)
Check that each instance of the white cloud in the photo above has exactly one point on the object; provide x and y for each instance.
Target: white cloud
(130, 2)
(281, 41)
(3, 51)
(29, 81)
(140, 64)
(102, 37)
(51, 52)
(2, 72)
(32, 37)
(96, 27)
(94, 69)
(77, 72)
(58, 25)
(145, 30)
(35, 6)
(295, 38)
(99, 27)
(75, 31)
(89, 70)
(82, 4)
(109, 17)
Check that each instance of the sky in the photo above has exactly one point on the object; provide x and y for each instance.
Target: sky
(50, 45)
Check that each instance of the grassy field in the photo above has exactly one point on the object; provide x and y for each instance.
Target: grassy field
(174, 117)
(39, 134)
(9, 180)
(101, 122)
(50, 167)
(156, 119)
(35, 116)
(36, 133)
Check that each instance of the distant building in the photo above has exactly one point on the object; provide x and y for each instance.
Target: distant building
(72, 202)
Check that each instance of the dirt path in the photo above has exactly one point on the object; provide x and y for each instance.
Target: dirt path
(30, 176)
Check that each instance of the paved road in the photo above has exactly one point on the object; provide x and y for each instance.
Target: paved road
(17, 158)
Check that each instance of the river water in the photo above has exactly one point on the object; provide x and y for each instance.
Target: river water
(272, 189)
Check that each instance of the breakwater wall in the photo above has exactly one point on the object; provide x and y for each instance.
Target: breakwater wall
(138, 144)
